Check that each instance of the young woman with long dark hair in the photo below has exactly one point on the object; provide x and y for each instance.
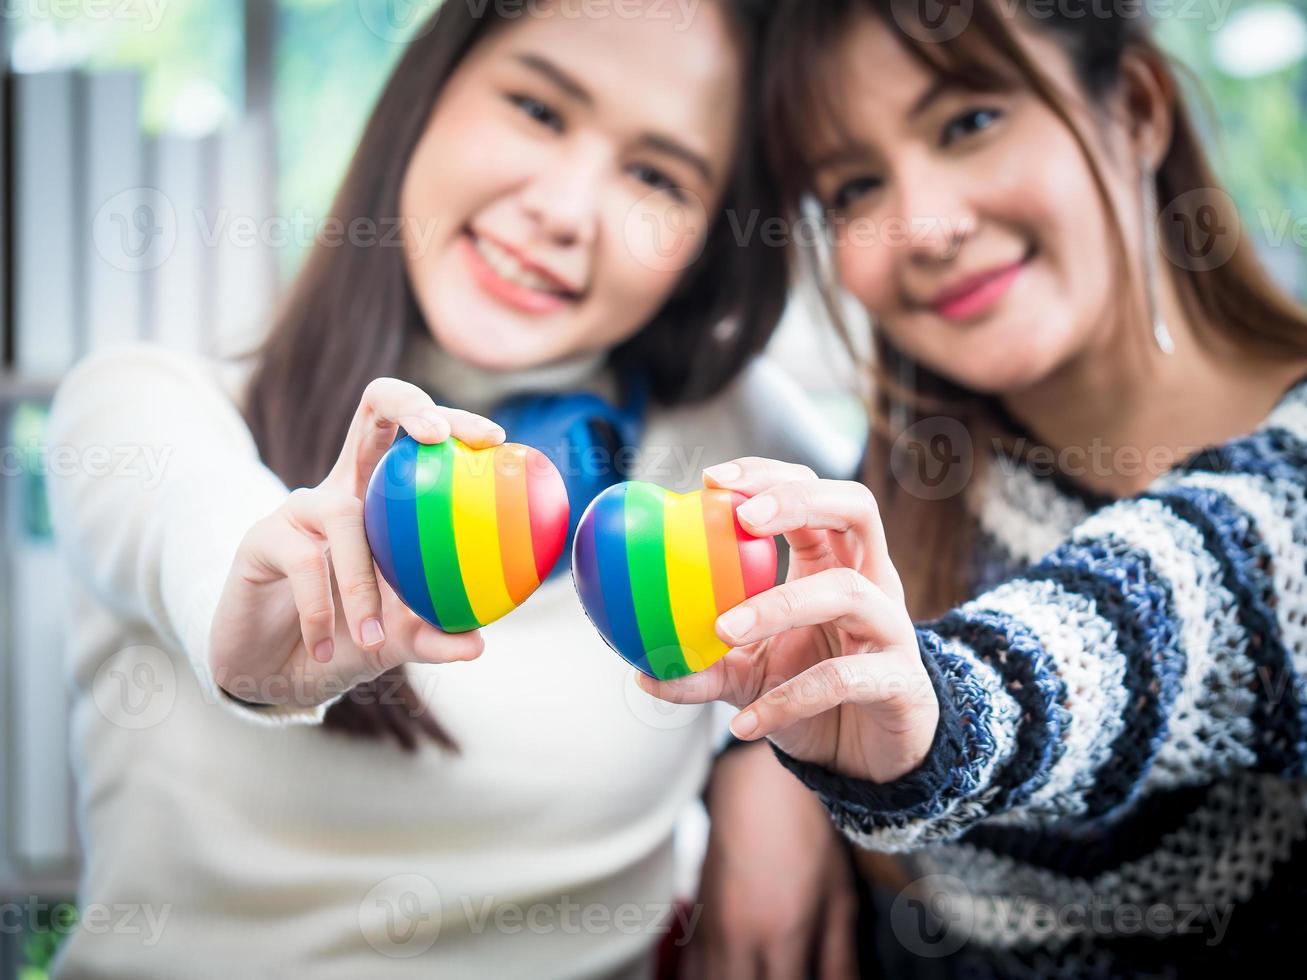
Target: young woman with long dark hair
(320, 782)
(1050, 647)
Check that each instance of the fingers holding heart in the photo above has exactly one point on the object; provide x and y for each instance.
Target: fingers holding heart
(788, 499)
(840, 597)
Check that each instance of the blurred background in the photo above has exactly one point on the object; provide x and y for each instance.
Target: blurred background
(165, 165)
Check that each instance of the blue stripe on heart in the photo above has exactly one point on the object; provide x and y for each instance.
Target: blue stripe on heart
(402, 568)
(608, 527)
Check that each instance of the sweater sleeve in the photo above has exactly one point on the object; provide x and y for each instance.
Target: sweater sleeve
(1163, 643)
(154, 480)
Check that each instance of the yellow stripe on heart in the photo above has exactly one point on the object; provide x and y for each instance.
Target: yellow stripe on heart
(476, 533)
(689, 580)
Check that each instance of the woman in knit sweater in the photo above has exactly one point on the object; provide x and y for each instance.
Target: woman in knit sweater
(278, 763)
(1085, 486)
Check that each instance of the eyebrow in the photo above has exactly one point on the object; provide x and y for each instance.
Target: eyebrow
(663, 144)
(556, 75)
(854, 151)
(654, 141)
(848, 153)
(939, 87)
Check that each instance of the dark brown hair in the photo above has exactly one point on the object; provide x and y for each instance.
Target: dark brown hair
(345, 320)
(931, 539)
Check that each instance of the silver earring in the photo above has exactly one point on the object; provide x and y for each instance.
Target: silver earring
(1161, 333)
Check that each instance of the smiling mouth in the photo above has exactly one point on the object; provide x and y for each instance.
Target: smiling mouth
(981, 293)
(513, 271)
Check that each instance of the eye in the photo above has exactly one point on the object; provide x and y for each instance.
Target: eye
(658, 180)
(851, 190)
(969, 122)
(539, 111)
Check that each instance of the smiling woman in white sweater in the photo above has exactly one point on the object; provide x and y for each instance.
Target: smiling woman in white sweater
(508, 816)
(263, 845)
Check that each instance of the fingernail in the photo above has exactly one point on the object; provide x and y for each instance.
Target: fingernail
(738, 621)
(323, 650)
(744, 725)
(723, 472)
(758, 510)
(497, 432)
(372, 632)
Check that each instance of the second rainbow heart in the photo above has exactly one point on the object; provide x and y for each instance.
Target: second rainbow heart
(654, 569)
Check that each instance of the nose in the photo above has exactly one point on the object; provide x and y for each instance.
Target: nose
(562, 199)
(933, 204)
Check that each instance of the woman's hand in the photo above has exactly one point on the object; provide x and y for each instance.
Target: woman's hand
(282, 633)
(827, 663)
(777, 887)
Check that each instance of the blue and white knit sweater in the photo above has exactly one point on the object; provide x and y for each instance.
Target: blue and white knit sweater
(1118, 783)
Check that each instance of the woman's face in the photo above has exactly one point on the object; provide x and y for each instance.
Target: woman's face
(567, 177)
(968, 223)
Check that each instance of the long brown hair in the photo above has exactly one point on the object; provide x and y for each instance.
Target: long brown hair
(345, 319)
(931, 539)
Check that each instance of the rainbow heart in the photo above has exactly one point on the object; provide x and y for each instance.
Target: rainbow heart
(463, 535)
(654, 569)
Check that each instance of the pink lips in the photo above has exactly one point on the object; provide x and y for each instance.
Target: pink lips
(978, 294)
(509, 293)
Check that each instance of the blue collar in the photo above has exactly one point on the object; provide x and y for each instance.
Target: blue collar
(589, 439)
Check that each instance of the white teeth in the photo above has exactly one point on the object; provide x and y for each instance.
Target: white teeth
(507, 267)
